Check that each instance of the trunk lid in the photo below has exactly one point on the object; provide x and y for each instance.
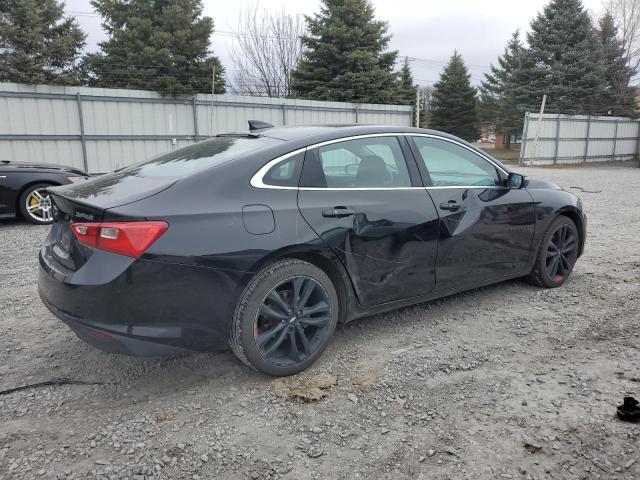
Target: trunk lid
(94, 196)
(88, 202)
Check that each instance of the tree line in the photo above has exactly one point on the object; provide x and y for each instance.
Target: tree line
(341, 54)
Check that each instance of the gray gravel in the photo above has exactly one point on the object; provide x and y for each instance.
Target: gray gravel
(508, 381)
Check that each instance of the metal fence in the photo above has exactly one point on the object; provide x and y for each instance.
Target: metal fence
(100, 129)
(578, 139)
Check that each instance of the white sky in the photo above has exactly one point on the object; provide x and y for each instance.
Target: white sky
(424, 29)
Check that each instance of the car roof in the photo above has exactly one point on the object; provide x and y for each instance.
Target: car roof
(309, 135)
(331, 132)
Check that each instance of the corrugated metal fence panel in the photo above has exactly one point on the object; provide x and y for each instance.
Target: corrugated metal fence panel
(62, 152)
(578, 138)
(118, 127)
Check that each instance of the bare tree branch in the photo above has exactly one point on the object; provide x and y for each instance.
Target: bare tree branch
(266, 50)
(626, 14)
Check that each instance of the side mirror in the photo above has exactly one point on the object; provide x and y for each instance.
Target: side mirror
(516, 180)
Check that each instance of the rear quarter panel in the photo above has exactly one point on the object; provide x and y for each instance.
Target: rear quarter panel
(207, 233)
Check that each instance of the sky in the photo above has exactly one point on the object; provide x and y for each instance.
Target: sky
(426, 30)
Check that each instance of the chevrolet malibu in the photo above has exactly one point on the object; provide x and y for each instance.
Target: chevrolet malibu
(264, 241)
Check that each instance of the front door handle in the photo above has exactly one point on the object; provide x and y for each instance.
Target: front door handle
(451, 205)
(338, 212)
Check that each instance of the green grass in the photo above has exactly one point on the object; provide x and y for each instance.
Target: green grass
(506, 156)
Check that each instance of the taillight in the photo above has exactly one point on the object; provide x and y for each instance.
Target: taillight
(125, 238)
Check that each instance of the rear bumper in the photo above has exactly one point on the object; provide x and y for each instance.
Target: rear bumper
(146, 308)
(106, 339)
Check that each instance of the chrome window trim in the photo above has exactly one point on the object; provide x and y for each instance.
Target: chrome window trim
(366, 189)
(467, 187)
(450, 140)
(257, 181)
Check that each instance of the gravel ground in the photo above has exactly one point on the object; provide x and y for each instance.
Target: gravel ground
(508, 381)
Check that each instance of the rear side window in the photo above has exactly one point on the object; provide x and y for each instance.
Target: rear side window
(199, 156)
(372, 162)
(285, 173)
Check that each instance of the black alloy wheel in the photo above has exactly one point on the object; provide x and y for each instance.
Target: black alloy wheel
(292, 321)
(557, 254)
(562, 251)
(285, 318)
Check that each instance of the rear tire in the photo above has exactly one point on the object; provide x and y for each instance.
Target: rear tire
(557, 254)
(35, 204)
(285, 318)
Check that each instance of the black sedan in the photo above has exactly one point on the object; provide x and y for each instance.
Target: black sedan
(23, 188)
(264, 241)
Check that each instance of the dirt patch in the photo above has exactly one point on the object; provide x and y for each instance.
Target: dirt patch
(308, 387)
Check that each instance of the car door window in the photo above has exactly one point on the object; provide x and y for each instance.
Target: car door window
(286, 173)
(450, 164)
(373, 162)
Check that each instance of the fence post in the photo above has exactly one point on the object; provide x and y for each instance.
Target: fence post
(284, 114)
(355, 110)
(555, 153)
(637, 155)
(83, 140)
(586, 140)
(525, 133)
(615, 140)
(195, 118)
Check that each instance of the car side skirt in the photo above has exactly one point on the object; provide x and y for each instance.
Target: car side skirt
(355, 311)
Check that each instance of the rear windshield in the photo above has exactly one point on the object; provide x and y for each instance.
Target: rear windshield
(199, 156)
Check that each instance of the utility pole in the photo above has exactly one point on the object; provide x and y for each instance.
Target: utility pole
(418, 106)
(538, 127)
(213, 87)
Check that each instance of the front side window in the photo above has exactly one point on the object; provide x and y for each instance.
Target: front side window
(450, 164)
(373, 162)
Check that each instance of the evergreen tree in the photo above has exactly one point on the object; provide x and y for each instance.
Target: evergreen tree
(453, 106)
(407, 94)
(503, 93)
(160, 45)
(618, 98)
(565, 60)
(344, 57)
(37, 44)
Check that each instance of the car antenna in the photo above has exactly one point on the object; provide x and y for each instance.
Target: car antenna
(258, 125)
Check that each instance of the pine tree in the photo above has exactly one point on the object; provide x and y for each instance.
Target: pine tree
(565, 60)
(618, 98)
(503, 96)
(454, 101)
(37, 43)
(407, 93)
(160, 45)
(345, 57)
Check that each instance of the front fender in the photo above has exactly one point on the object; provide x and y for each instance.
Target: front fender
(551, 203)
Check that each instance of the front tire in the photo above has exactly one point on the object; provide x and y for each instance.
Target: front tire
(557, 254)
(35, 204)
(285, 318)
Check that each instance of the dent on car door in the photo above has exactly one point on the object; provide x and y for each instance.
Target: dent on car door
(359, 197)
(486, 228)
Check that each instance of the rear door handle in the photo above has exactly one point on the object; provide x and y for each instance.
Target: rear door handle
(338, 212)
(451, 205)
